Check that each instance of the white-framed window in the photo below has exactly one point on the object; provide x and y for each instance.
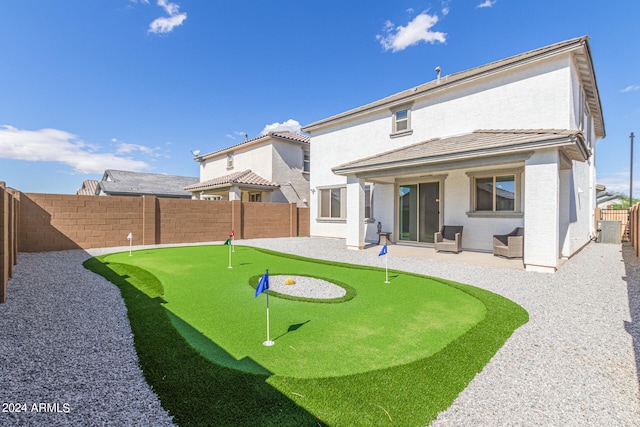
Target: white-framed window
(368, 201)
(230, 161)
(332, 203)
(401, 121)
(306, 161)
(495, 192)
(255, 197)
(213, 197)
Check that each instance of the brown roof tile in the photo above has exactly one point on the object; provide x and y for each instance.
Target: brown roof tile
(480, 142)
(246, 177)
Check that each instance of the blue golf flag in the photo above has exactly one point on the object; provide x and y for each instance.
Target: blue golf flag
(263, 284)
(383, 251)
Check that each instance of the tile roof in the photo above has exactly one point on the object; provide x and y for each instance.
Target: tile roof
(88, 188)
(579, 46)
(283, 135)
(247, 177)
(117, 182)
(474, 144)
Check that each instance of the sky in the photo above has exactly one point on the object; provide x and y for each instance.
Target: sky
(138, 85)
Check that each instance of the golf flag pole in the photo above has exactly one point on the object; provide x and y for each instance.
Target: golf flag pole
(130, 239)
(228, 242)
(263, 286)
(232, 235)
(384, 251)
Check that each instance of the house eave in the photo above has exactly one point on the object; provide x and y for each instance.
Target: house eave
(578, 46)
(262, 139)
(572, 147)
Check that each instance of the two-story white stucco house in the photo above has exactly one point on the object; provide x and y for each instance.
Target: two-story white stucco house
(270, 168)
(504, 145)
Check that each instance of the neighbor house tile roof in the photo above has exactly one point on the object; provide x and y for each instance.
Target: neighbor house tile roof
(581, 53)
(88, 188)
(126, 183)
(474, 144)
(246, 178)
(283, 135)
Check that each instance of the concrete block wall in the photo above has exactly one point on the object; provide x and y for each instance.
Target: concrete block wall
(262, 219)
(9, 211)
(194, 220)
(53, 222)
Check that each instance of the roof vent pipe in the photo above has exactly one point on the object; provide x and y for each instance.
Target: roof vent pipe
(438, 73)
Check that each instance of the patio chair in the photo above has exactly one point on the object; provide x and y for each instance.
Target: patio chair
(449, 239)
(509, 245)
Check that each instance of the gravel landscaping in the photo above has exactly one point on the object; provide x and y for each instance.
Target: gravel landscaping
(66, 345)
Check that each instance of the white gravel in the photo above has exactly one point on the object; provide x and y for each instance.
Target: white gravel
(308, 287)
(65, 339)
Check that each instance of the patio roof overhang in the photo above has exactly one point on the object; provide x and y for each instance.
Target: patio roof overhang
(475, 149)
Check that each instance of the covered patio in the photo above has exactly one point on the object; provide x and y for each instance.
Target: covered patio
(489, 182)
(466, 257)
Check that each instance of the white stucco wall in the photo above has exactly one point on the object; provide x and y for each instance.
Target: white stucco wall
(258, 158)
(537, 96)
(287, 170)
(277, 161)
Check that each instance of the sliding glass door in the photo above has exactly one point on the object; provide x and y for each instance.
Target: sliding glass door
(419, 212)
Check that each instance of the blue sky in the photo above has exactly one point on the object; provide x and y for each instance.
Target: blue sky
(136, 84)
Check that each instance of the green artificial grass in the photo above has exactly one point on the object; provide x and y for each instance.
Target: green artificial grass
(385, 354)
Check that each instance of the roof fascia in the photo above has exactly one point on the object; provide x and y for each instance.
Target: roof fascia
(246, 144)
(471, 162)
(528, 147)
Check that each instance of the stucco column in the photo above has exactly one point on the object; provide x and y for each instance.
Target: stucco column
(234, 193)
(542, 211)
(355, 213)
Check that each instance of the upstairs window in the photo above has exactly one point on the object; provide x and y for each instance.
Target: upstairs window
(230, 161)
(306, 161)
(401, 121)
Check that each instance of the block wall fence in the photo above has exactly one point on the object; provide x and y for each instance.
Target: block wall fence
(9, 225)
(33, 222)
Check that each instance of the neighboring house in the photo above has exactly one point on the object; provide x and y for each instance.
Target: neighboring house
(270, 168)
(608, 200)
(125, 183)
(88, 188)
(504, 145)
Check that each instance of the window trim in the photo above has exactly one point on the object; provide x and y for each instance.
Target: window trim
(518, 196)
(306, 161)
(368, 201)
(408, 131)
(343, 204)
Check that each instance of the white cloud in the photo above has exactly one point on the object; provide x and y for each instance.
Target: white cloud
(125, 148)
(170, 8)
(237, 134)
(53, 145)
(487, 3)
(166, 24)
(290, 125)
(445, 7)
(630, 88)
(416, 31)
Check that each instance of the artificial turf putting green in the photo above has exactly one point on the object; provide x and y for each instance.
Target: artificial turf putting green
(388, 354)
